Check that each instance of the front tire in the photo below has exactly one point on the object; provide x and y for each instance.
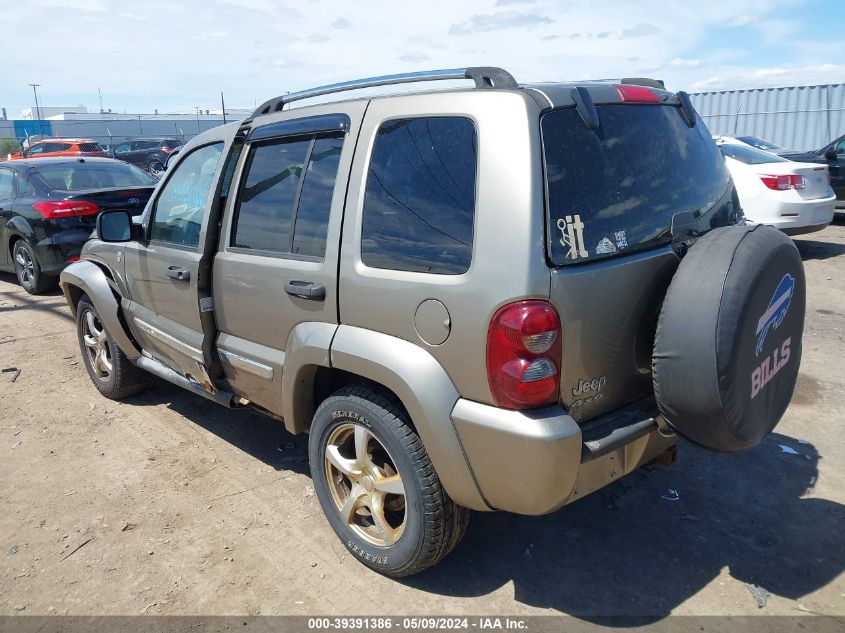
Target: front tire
(377, 487)
(28, 270)
(112, 373)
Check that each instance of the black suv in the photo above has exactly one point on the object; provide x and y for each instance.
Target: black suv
(149, 154)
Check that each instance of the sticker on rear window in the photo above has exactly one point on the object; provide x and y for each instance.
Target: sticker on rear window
(605, 246)
(621, 239)
(572, 236)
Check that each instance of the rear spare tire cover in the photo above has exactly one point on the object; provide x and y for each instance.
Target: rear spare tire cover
(728, 341)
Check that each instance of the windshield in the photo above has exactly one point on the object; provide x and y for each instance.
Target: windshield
(760, 143)
(749, 155)
(617, 188)
(79, 176)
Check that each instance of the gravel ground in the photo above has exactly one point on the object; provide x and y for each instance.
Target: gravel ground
(169, 504)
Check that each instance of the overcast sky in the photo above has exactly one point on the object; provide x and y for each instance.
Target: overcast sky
(177, 54)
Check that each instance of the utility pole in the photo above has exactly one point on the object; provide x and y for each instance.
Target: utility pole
(101, 99)
(37, 107)
(198, 118)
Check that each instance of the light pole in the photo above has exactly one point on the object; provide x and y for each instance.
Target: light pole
(37, 107)
(198, 118)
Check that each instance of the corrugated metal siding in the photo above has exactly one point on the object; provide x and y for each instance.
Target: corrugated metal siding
(799, 117)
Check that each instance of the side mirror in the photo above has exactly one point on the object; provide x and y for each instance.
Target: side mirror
(114, 226)
(830, 153)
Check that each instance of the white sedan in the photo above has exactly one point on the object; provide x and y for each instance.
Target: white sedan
(793, 197)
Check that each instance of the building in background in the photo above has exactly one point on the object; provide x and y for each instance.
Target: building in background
(112, 127)
(31, 114)
(797, 117)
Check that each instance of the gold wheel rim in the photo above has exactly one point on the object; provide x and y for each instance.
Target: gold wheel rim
(365, 485)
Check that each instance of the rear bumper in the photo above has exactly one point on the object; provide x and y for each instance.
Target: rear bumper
(534, 462)
(54, 252)
(804, 217)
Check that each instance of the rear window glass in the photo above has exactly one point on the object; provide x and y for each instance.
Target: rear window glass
(749, 155)
(419, 206)
(76, 176)
(90, 147)
(760, 143)
(616, 189)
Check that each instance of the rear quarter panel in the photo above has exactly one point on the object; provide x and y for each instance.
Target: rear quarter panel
(508, 260)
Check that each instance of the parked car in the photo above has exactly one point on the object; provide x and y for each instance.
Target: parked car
(48, 208)
(793, 197)
(494, 298)
(832, 155)
(53, 147)
(759, 143)
(150, 154)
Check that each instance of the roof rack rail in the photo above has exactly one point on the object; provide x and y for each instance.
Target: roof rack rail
(484, 77)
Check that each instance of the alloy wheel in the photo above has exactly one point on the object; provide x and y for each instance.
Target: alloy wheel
(97, 346)
(24, 267)
(365, 484)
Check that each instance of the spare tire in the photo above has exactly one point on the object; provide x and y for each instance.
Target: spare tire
(728, 341)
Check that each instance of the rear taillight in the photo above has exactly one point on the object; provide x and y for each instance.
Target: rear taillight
(523, 355)
(65, 208)
(784, 182)
(165, 149)
(629, 93)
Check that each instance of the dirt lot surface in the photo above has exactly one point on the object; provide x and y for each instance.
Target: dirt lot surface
(169, 504)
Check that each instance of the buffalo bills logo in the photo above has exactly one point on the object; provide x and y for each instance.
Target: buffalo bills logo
(776, 312)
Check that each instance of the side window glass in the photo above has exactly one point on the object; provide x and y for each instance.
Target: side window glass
(419, 204)
(7, 184)
(266, 199)
(840, 149)
(24, 187)
(312, 217)
(229, 170)
(179, 210)
(36, 149)
(122, 148)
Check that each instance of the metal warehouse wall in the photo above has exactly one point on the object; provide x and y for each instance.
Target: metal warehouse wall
(800, 117)
(113, 131)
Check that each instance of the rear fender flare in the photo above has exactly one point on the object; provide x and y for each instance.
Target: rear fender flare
(88, 278)
(306, 351)
(426, 392)
(16, 228)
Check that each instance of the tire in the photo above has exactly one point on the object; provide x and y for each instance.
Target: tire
(728, 344)
(28, 270)
(394, 534)
(112, 373)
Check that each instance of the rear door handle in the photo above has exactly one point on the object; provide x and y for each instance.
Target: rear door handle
(305, 289)
(178, 273)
